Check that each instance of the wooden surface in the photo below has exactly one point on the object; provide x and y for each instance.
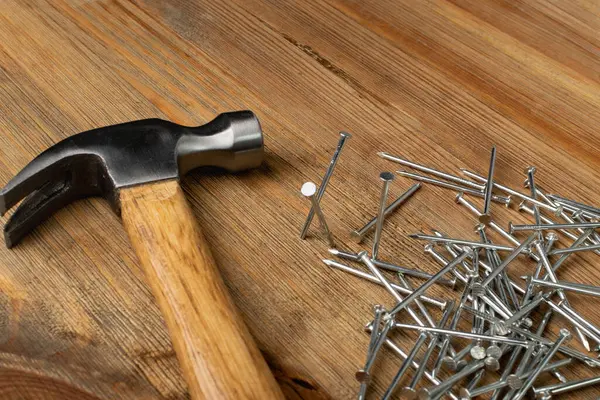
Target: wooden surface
(436, 81)
(218, 357)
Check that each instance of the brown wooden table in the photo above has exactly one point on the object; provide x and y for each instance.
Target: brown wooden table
(437, 81)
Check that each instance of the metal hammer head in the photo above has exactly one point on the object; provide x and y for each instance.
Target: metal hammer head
(101, 161)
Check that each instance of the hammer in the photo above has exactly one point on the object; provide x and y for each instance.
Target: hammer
(136, 166)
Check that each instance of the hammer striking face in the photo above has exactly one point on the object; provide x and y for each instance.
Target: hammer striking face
(136, 166)
(101, 161)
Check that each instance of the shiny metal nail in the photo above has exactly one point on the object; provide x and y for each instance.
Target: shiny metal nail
(409, 391)
(393, 267)
(404, 282)
(398, 351)
(429, 249)
(405, 365)
(466, 393)
(519, 228)
(433, 392)
(546, 392)
(468, 243)
(421, 289)
(364, 375)
(359, 234)
(581, 206)
(564, 335)
(512, 192)
(431, 171)
(575, 321)
(466, 335)
(372, 278)
(386, 178)
(575, 249)
(343, 137)
(523, 248)
(497, 199)
(574, 287)
(485, 217)
(308, 190)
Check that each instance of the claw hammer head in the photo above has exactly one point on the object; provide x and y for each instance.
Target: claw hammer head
(101, 161)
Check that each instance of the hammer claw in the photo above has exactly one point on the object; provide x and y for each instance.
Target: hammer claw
(43, 169)
(39, 206)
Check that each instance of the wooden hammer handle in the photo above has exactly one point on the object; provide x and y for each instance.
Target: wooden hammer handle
(217, 354)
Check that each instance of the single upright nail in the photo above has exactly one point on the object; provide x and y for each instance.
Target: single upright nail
(485, 217)
(386, 178)
(308, 190)
(563, 336)
(359, 234)
(343, 137)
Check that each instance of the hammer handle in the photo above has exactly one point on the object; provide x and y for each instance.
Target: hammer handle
(217, 354)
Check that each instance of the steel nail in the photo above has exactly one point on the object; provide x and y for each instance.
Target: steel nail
(485, 217)
(405, 365)
(498, 199)
(564, 335)
(421, 289)
(470, 393)
(547, 392)
(466, 335)
(431, 171)
(364, 375)
(308, 190)
(371, 278)
(393, 267)
(409, 391)
(574, 287)
(539, 227)
(398, 351)
(468, 243)
(512, 192)
(359, 234)
(386, 178)
(343, 137)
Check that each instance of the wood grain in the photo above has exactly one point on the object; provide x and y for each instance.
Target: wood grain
(438, 81)
(217, 355)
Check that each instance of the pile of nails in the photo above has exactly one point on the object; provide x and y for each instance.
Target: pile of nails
(509, 351)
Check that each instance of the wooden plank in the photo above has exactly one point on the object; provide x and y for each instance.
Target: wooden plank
(437, 81)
